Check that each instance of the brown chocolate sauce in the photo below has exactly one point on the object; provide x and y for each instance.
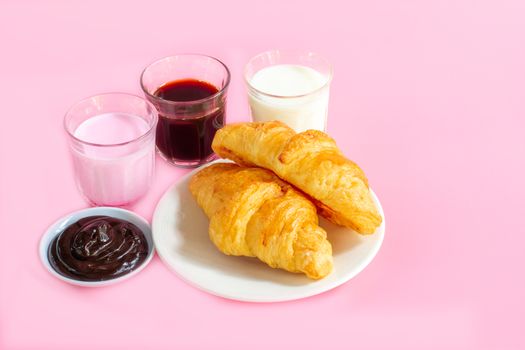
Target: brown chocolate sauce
(98, 248)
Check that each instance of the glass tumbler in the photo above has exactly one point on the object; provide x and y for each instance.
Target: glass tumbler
(189, 92)
(112, 142)
(290, 86)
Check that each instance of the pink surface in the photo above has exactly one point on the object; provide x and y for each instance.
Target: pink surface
(428, 97)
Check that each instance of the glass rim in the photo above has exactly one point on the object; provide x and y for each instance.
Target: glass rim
(151, 125)
(220, 91)
(295, 52)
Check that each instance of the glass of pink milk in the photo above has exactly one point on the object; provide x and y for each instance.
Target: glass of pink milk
(112, 142)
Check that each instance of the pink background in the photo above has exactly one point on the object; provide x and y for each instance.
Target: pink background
(428, 97)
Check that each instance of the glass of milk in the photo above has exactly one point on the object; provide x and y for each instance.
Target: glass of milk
(112, 142)
(289, 86)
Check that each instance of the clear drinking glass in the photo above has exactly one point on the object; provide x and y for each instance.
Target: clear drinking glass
(290, 86)
(112, 142)
(189, 92)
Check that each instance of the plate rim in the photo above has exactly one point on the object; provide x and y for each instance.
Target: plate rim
(337, 283)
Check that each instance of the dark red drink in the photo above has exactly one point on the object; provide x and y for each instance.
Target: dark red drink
(187, 126)
(186, 90)
(189, 92)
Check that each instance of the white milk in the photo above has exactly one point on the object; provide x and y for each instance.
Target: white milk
(114, 175)
(296, 99)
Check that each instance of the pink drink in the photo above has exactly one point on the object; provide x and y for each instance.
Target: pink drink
(111, 128)
(114, 160)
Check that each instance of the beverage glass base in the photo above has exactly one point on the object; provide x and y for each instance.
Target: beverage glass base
(124, 205)
(187, 163)
(116, 205)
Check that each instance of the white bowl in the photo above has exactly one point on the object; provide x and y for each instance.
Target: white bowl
(60, 225)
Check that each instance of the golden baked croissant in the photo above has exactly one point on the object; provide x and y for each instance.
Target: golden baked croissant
(254, 213)
(310, 161)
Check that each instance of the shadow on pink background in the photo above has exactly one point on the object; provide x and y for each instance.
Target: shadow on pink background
(428, 97)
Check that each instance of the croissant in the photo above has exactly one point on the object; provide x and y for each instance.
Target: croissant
(254, 213)
(310, 161)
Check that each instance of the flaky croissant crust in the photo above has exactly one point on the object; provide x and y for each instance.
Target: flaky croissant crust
(254, 213)
(311, 161)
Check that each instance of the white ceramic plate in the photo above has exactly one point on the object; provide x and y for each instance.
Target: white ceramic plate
(180, 233)
(60, 225)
